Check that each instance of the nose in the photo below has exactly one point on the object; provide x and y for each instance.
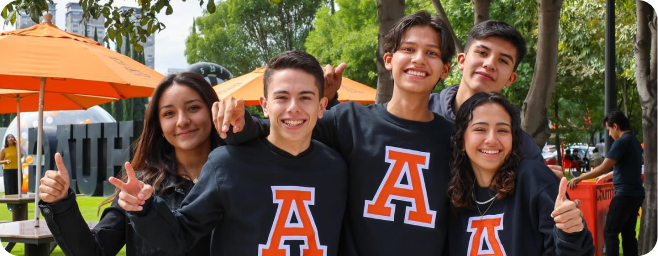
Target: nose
(489, 63)
(491, 138)
(294, 106)
(418, 58)
(183, 119)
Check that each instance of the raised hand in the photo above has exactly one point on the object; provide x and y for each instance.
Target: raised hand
(566, 215)
(55, 184)
(228, 112)
(134, 192)
(333, 78)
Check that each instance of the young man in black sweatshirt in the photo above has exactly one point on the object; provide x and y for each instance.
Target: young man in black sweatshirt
(397, 153)
(259, 197)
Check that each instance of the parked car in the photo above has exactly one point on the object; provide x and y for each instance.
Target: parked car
(549, 152)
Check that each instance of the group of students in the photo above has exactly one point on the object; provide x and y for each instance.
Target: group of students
(424, 174)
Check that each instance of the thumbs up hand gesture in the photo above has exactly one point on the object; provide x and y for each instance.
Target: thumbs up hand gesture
(134, 192)
(566, 215)
(55, 184)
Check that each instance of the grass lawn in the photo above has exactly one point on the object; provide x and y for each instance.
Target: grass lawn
(87, 206)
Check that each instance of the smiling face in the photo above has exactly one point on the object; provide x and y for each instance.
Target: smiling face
(417, 65)
(488, 138)
(488, 66)
(293, 105)
(184, 118)
(11, 140)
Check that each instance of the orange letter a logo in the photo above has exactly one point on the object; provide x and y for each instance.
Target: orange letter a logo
(404, 163)
(484, 231)
(293, 201)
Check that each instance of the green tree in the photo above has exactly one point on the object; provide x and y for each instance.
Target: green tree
(243, 34)
(118, 22)
(349, 35)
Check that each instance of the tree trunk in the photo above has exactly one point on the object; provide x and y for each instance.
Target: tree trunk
(388, 13)
(442, 15)
(481, 10)
(624, 97)
(645, 73)
(534, 117)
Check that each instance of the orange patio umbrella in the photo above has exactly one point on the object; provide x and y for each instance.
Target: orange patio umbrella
(46, 59)
(11, 101)
(249, 87)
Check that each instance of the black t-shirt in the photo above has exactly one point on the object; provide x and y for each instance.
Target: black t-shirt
(627, 178)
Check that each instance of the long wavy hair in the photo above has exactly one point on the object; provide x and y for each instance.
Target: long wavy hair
(460, 188)
(154, 155)
(7, 140)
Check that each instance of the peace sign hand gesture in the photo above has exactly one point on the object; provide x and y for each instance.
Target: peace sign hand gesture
(134, 192)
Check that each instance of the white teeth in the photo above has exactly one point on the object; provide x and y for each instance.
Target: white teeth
(293, 122)
(490, 151)
(417, 73)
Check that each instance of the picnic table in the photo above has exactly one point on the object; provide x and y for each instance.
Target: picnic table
(38, 240)
(19, 205)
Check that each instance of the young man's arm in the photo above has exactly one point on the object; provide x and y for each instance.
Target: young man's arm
(177, 232)
(606, 166)
(246, 128)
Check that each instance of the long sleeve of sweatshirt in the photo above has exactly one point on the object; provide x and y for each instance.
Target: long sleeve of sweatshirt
(72, 233)
(556, 241)
(178, 231)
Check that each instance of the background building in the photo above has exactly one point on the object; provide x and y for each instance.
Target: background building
(24, 21)
(73, 23)
(149, 46)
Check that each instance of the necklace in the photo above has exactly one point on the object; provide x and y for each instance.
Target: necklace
(485, 211)
(481, 203)
(492, 200)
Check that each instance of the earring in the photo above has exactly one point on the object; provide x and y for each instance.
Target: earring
(463, 152)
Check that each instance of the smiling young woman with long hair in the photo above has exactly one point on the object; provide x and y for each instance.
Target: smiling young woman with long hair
(178, 135)
(503, 204)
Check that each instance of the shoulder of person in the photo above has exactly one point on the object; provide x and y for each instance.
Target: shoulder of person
(532, 172)
(326, 151)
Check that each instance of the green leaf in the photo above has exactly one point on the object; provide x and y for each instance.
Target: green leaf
(119, 41)
(170, 10)
(211, 6)
(139, 48)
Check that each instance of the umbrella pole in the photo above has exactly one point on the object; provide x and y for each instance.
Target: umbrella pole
(18, 146)
(37, 177)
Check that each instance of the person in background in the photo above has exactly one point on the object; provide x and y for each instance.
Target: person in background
(625, 161)
(10, 167)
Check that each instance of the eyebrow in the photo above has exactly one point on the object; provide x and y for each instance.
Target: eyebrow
(489, 49)
(286, 92)
(412, 43)
(487, 124)
(186, 102)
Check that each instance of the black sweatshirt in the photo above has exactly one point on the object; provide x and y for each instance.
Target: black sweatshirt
(412, 156)
(519, 224)
(253, 198)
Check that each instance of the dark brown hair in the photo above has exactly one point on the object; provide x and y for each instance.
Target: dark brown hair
(154, 156)
(461, 185)
(393, 38)
(295, 60)
(502, 30)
